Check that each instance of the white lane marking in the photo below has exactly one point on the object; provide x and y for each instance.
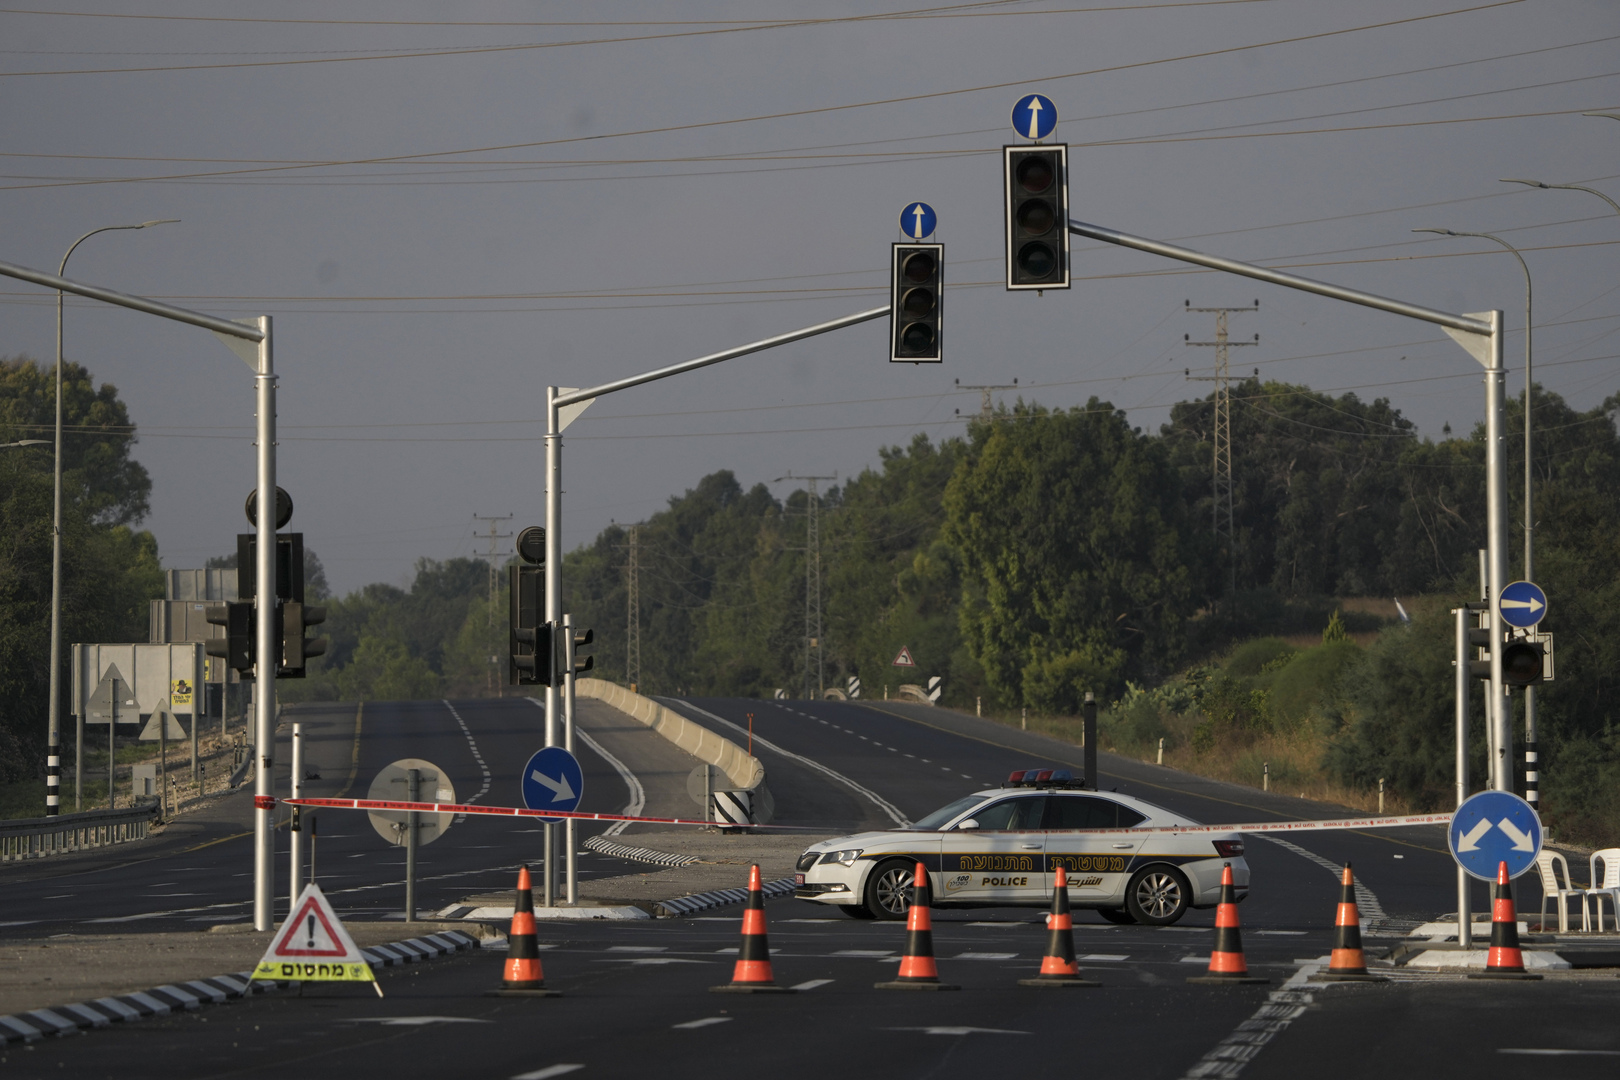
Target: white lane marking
(874, 953)
(654, 961)
(1112, 958)
(985, 956)
(638, 794)
(1551, 1051)
(879, 801)
(1195, 959)
(810, 984)
(1279, 933)
(941, 1030)
(548, 1072)
(415, 1021)
(473, 745)
(638, 948)
(1283, 1006)
(1365, 900)
(706, 1021)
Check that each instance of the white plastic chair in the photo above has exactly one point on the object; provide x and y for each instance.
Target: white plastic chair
(1608, 885)
(1547, 864)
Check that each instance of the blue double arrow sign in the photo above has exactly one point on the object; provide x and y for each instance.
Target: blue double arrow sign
(1492, 828)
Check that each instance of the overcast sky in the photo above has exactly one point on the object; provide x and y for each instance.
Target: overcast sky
(445, 217)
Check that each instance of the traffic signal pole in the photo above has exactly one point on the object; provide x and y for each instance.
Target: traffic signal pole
(251, 341)
(558, 400)
(1481, 336)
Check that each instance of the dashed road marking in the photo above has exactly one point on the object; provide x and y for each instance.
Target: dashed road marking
(707, 1021)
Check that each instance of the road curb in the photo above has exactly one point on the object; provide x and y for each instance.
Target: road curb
(169, 998)
(702, 901)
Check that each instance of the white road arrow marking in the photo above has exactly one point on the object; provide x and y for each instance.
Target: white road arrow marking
(559, 788)
(1533, 604)
(1035, 118)
(1469, 841)
(1521, 841)
(917, 233)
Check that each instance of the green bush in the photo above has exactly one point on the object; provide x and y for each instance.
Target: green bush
(1251, 657)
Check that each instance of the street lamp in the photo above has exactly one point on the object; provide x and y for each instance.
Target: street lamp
(25, 442)
(1532, 780)
(1567, 187)
(53, 748)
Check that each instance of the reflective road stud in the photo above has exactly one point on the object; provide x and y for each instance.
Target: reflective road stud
(1226, 963)
(1348, 963)
(524, 977)
(1058, 967)
(752, 975)
(1505, 960)
(917, 968)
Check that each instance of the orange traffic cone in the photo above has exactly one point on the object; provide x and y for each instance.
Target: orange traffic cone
(524, 977)
(1348, 963)
(917, 968)
(1226, 963)
(752, 975)
(1058, 967)
(1505, 960)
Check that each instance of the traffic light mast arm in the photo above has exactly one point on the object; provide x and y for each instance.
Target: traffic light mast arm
(1481, 336)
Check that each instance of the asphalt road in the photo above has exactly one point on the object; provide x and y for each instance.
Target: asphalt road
(199, 872)
(635, 1000)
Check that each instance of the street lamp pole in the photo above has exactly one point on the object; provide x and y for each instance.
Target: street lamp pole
(1532, 778)
(53, 741)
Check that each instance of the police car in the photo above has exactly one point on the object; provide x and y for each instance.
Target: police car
(1001, 847)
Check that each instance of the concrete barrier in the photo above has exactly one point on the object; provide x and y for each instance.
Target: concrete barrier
(742, 769)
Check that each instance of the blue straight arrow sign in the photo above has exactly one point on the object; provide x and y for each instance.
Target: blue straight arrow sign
(918, 220)
(1034, 117)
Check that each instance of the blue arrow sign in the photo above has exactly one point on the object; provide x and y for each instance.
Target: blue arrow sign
(1522, 604)
(1034, 116)
(1492, 828)
(553, 780)
(917, 220)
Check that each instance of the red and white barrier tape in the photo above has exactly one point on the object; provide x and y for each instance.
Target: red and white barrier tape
(523, 812)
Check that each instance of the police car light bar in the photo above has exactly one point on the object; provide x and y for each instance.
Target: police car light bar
(1042, 778)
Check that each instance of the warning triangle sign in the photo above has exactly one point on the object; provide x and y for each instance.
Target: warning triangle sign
(904, 659)
(162, 725)
(313, 946)
(113, 697)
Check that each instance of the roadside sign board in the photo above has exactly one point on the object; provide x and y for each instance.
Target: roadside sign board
(393, 784)
(1034, 116)
(904, 659)
(313, 946)
(553, 780)
(1491, 828)
(1522, 604)
(918, 221)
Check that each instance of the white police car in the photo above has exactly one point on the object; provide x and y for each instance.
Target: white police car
(1000, 847)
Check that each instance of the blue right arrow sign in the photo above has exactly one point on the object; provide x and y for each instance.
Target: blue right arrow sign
(1522, 604)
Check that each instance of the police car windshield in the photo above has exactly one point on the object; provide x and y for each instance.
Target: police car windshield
(945, 814)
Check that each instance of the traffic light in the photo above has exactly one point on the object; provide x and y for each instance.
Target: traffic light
(295, 648)
(916, 277)
(237, 647)
(289, 566)
(582, 663)
(1036, 189)
(1522, 657)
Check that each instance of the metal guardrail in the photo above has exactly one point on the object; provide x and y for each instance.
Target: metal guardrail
(32, 838)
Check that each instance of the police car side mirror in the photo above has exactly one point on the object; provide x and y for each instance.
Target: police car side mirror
(970, 823)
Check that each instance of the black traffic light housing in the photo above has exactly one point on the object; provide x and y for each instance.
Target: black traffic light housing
(529, 647)
(916, 286)
(581, 639)
(295, 648)
(1036, 197)
(289, 566)
(238, 645)
(1522, 659)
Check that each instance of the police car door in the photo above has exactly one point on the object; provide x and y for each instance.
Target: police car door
(1001, 858)
(1098, 865)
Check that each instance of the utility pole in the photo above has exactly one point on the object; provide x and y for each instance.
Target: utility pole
(632, 570)
(1223, 512)
(492, 556)
(813, 651)
(986, 410)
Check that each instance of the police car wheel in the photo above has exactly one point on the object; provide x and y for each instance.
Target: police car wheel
(888, 890)
(1118, 916)
(1158, 896)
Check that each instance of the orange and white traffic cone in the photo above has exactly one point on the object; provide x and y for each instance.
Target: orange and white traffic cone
(1505, 960)
(1226, 963)
(524, 976)
(1058, 966)
(752, 975)
(917, 968)
(1347, 963)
